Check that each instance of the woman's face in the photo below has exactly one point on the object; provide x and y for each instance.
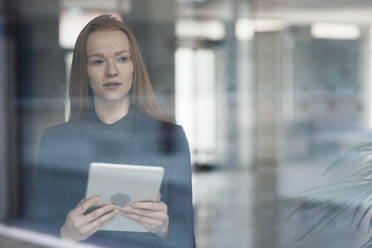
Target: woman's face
(109, 65)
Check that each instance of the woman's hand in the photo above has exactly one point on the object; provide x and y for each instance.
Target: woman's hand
(152, 215)
(79, 226)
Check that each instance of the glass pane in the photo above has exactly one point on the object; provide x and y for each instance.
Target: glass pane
(271, 100)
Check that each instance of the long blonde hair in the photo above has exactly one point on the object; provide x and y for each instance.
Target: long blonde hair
(142, 96)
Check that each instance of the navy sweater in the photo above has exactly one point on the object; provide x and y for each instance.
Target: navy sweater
(67, 150)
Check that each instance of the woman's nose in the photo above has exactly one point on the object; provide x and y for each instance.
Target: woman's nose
(111, 70)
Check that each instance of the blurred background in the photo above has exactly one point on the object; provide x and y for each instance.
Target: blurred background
(269, 92)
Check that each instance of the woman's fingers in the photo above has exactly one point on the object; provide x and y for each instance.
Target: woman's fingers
(98, 213)
(144, 220)
(99, 222)
(152, 215)
(82, 207)
(80, 202)
(143, 212)
(151, 206)
(79, 226)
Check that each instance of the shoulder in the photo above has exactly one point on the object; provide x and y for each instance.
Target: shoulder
(170, 135)
(57, 144)
(62, 131)
(151, 124)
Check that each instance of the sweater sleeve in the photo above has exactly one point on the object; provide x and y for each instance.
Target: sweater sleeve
(45, 212)
(180, 209)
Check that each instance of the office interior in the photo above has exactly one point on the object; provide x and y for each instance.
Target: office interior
(270, 94)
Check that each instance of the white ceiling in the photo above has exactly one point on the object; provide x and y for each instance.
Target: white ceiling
(294, 11)
(360, 16)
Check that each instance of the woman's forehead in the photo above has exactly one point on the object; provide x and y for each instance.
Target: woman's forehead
(107, 42)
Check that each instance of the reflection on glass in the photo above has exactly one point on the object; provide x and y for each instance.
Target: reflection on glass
(269, 94)
(195, 100)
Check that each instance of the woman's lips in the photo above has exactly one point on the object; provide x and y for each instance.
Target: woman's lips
(111, 85)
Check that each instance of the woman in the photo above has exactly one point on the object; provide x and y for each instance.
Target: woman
(116, 119)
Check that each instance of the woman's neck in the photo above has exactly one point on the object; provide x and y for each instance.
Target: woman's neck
(110, 112)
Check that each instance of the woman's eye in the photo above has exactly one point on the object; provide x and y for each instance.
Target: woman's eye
(123, 59)
(97, 62)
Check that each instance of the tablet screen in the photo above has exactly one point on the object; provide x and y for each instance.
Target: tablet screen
(123, 184)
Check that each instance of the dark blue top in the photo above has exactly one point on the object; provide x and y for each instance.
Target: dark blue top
(67, 150)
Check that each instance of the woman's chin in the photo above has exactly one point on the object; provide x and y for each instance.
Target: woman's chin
(113, 98)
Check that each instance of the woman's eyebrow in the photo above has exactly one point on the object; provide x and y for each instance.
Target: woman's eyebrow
(96, 55)
(122, 51)
(102, 55)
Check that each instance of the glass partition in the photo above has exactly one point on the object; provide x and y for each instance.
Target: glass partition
(271, 99)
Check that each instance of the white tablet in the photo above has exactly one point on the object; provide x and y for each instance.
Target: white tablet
(123, 184)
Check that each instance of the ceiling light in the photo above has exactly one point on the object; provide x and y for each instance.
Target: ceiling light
(200, 29)
(262, 25)
(335, 31)
(244, 29)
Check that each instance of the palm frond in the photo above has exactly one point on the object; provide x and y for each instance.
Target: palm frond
(353, 191)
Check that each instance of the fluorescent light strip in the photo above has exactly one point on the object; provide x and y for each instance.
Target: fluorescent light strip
(261, 25)
(205, 29)
(335, 31)
(246, 28)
